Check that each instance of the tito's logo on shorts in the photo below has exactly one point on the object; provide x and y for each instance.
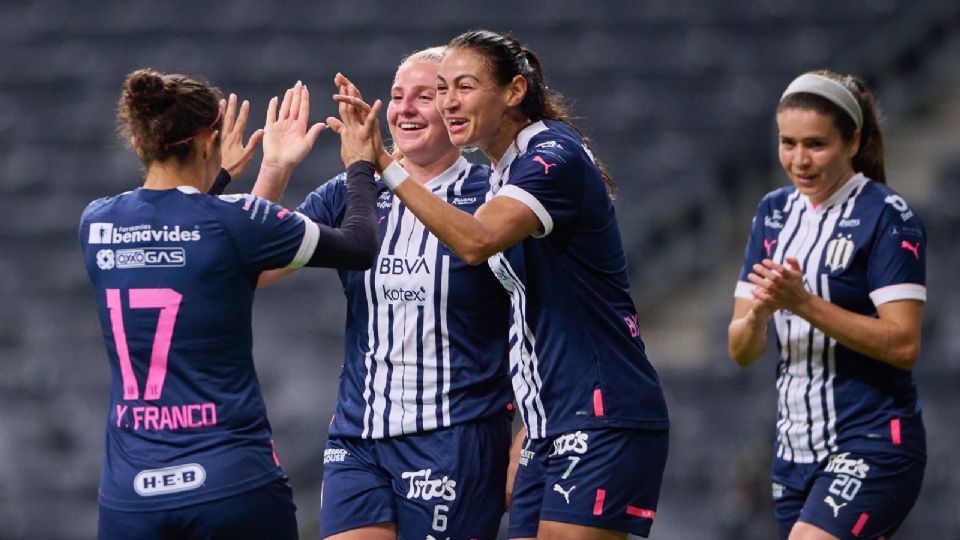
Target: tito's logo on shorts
(169, 479)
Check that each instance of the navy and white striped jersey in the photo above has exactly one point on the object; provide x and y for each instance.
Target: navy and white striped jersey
(426, 342)
(174, 273)
(862, 247)
(577, 359)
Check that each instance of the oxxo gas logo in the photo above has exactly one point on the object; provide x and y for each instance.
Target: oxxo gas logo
(169, 479)
(141, 258)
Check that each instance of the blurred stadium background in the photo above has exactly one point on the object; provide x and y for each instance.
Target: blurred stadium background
(679, 97)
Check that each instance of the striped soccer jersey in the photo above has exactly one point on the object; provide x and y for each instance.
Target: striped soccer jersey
(174, 273)
(426, 342)
(577, 359)
(860, 248)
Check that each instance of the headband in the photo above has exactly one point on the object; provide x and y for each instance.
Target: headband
(829, 89)
(216, 119)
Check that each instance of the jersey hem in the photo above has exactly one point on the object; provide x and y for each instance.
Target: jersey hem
(214, 495)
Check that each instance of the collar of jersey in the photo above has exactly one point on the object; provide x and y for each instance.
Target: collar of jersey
(841, 195)
(518, 146)
(449, 175)
(189, 190)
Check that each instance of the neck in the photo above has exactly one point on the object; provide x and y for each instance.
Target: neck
(170, 175)
(511, 127)
(430, 168)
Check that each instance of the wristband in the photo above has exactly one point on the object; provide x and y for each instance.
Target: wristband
(393, 175)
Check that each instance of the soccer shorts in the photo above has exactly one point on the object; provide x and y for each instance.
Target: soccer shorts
(264, 512)
(444, 483)
(852, 494)
(603, 478)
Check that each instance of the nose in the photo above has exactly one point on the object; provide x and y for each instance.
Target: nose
(448, 100)
(802, 156)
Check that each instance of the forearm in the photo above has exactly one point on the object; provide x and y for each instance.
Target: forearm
(353, 245)
(747, 337)
(460, 231)
(894, 342)
(271, 181)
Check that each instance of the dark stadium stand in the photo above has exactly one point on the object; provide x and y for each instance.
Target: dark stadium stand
(678, 97)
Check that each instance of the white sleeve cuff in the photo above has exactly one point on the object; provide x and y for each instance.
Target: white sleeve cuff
(900, 291)
(532, 203)
(744, 290)
(311, 233)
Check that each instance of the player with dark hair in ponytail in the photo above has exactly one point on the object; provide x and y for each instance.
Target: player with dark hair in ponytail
(591, 462)
(837, 262)
(189, 451)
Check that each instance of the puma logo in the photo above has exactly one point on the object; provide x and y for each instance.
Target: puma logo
(566, 494)
(833, 504)
(546, 166)
(912, 249)
(768, 245)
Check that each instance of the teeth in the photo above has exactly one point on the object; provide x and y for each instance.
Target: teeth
(408, 125)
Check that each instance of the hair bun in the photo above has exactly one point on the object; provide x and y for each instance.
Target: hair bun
(148, 92)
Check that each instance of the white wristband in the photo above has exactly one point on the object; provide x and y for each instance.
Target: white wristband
(393, 175)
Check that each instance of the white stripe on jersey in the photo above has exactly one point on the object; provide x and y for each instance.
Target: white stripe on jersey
(524, 364)
(806, 428)
(311, 234)
(407, 292)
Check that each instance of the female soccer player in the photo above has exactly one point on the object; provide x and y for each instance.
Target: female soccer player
(189, 452)
(595, 418)
(838, 261)
(419, 443)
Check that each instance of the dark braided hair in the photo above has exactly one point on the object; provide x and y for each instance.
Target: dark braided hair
(159, 114)
(869, 157)
(506, 58)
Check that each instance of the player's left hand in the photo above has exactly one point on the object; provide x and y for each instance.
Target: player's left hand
(780, 286)
(236, 155)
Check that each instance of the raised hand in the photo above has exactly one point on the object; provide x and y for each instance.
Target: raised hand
(286, 139)
(358, 125)
(236, 155)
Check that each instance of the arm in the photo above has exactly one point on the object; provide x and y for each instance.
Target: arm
(892, 338)
(514, 464)
(747, 333)
(498, 224)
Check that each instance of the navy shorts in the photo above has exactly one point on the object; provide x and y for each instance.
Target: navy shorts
(603, 478)
(444, 483)
(264, 512)
(851, 494)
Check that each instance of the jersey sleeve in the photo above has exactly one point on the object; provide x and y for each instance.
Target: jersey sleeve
(325, 204)
(896, 269)
(549, 179)
(267, 235)
(752, 254)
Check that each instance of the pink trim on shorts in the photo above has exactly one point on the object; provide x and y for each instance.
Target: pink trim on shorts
(598, 504)
(597, 402)
(861, 521)
(644, 513)
(895, 431)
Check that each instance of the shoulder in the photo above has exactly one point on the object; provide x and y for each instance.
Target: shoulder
(96, 206)
(777, 199)
(559, 142)
(888, 204)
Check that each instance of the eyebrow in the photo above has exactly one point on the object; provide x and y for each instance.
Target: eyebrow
(458, 78)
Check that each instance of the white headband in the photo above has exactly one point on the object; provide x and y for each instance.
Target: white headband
(829, 89)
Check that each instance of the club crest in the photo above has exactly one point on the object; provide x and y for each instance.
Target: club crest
(839, 252)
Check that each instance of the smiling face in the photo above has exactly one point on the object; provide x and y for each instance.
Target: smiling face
(412, 115)
(476, 110)
(813, 152)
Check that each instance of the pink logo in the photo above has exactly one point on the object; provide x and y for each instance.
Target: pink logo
(282, 213)
(546, 166)
(768, 245)
(912, 249)
(632, 325)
